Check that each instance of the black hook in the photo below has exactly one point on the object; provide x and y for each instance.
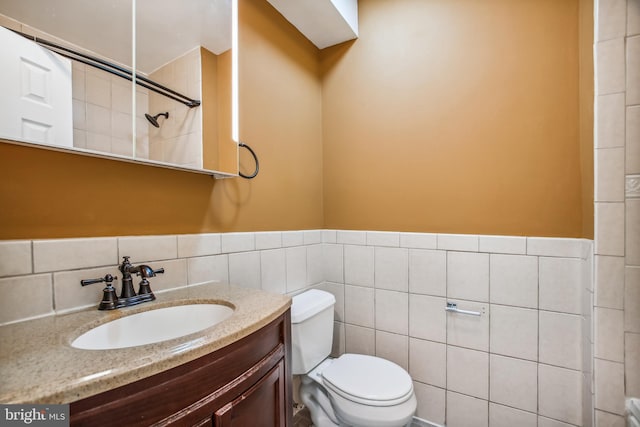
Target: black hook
(253, 175)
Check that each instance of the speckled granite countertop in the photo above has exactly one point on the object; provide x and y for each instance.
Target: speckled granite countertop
(38, 364)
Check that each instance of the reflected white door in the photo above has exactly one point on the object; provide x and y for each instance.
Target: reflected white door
(35, 92)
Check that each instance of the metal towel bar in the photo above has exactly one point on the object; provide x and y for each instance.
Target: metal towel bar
(453, 307)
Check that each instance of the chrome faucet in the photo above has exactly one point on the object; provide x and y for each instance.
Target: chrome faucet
(128, 295)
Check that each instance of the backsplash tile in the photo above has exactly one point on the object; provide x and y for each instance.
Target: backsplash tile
(69, 294)
(148, 248)
(174, 276)
(193, 245)
(15, 257)
(68, 254)
(14, 304)
(238, 242)
(208, 268)
(244, 269)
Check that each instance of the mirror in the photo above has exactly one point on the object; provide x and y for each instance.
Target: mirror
(180, 108)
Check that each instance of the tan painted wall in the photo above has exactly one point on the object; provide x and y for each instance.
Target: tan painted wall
(456, 116)
(46, 194)
(444, 116)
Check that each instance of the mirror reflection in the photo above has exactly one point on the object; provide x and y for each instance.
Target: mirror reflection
(181, 112)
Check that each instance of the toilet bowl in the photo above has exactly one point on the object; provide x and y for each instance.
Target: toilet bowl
(352, 390)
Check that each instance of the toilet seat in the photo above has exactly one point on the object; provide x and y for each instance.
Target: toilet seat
(368, 380)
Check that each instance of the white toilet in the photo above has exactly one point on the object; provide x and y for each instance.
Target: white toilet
(354, 389)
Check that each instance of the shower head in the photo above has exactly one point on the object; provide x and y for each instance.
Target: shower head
(154, 119)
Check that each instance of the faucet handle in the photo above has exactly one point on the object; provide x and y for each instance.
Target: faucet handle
(146, 271)
(108, 278)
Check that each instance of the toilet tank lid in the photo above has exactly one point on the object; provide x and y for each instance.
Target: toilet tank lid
(310, 303)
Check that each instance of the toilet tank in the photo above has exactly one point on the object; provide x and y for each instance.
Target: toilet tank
(311, 329)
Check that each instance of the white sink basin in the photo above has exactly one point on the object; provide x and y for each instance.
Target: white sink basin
(152, 326)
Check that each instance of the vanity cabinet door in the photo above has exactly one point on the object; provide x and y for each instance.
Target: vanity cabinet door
(262, 405)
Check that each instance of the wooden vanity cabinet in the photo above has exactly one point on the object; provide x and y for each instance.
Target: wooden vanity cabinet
(245, 384)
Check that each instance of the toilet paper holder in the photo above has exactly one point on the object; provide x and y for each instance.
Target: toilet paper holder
(453, 307)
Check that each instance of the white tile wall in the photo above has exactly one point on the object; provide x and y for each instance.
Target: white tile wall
(514, 332)
(358, 265)
(617, 219)
(468, 276)
(514, 382)
(391, 290)
(560, 285)
(466, 411)
(560, 339)
(559, 394)
(469, 331)
(391, 268)
(504, 416)
(393, 347)
(359, 306)
(468, 371)
(428, 362)
(427, 272)
(431, 402)
(509, 272)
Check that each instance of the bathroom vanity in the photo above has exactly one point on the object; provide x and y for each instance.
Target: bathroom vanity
(243, 384)
(236, 373)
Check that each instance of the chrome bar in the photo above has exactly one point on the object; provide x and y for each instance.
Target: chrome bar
(453, 307)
